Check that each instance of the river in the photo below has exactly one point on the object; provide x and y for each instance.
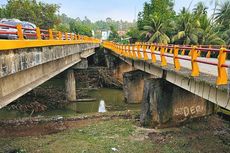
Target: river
(108, 99)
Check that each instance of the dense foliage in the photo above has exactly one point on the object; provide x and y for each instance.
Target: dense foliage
(42, 14)
(46, 16)
(159, 23)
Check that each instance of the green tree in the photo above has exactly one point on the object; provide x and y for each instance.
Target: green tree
(208, 34)
(1, 12)
(222, 15)
(79, 28)
(41, 14)
(114, 35)
(134, 34)
(187, 28)
(223, 19)
(62, 27)
(226, 36)
(155, 32)
(161, 8)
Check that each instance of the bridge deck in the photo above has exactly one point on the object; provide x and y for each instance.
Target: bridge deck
(203, 85)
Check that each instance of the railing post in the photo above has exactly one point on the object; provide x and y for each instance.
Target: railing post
(163, 59)
(71, 36)
(190, 52)
(208, 55)
(166, 50)
(199, 52)
(75, 37)
(171, 51)
(78, 37)
(158, 47)
(122, 50)
(152, 48)
(50, 34)
(119, 49)
(20, 32)
(183, 51)
(59, 35)
(116, 48)
(139, 51)
(176, 59)
(130, 52)
(195, 67)
(127, 50)
(66, 36)
(38, 33)
(222, 78)
(134, 52)
(145, 52)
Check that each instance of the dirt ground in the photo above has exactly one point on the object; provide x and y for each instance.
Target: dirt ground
(118, 132)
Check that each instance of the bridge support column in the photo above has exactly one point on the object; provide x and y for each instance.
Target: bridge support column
(165, 104)
(133, 85)
(70, 85)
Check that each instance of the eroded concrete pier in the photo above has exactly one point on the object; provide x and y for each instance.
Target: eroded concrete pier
(133, 85)
(165, 104)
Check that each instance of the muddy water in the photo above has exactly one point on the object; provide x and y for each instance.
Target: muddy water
(108, 99)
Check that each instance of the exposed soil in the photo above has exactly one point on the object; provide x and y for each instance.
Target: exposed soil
(120, 130)
(42, 126)
(207, 135)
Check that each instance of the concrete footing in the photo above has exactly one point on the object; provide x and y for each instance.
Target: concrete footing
(165, 104)
(70, 85)
(133, 85)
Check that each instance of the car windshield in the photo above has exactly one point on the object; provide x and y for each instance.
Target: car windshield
(11, 23)
(27, 25)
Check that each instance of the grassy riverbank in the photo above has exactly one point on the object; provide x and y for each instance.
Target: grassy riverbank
(208, 135)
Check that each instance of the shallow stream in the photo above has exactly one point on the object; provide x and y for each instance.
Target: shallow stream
(107, 99)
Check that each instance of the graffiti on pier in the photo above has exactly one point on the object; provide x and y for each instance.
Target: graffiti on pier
(188, 110)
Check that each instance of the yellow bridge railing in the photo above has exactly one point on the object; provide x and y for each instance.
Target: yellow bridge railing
(142, 51)
(27, 37)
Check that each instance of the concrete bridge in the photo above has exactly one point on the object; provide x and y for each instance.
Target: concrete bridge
(173, 82)
(26, 64)
(179, 82)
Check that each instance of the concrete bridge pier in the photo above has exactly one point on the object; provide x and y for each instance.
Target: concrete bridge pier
(70, 85)
(133, 85)
(165, 104)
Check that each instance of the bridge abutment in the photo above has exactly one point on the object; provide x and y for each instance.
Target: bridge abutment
(70, 85)
(165, 104)
(133, 85)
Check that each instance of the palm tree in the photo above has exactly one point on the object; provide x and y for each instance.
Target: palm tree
(226, 36)
(155, 31)
(208, 34)
(187, 28)
(222, 15)
(200, 9)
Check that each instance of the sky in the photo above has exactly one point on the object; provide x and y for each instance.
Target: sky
(116, 9)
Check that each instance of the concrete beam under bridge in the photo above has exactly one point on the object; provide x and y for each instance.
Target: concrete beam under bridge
(21, 70)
